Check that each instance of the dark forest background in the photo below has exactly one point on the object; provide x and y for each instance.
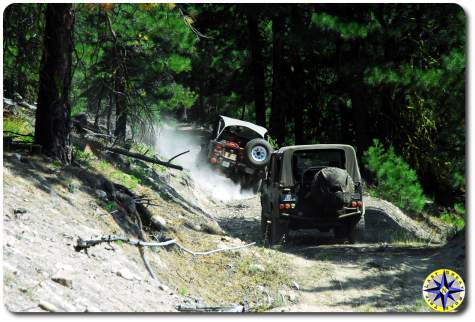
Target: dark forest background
(310, 73)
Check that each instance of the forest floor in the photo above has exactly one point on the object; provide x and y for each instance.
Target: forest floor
(48, 206)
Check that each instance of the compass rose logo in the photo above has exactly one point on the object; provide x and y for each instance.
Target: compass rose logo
(443, 290)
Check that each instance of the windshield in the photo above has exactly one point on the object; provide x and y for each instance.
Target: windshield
(304, 159)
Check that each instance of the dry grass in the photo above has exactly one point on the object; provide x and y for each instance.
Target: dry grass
(253, 276)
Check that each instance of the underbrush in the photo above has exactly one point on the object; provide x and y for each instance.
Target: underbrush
(255, 277)
(18, 125)
(398, 183)
(88, 159)
(395, 180)
(454, 217)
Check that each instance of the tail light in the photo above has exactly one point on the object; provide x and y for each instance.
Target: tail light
(355, 204)
(287, 206)
(232, 145)
(213, 160)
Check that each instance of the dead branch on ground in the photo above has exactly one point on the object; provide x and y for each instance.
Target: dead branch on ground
(138, 156)
(84, 244)
(201, 308)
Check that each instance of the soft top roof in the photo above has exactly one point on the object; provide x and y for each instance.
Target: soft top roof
(228, 121)
(351, 163)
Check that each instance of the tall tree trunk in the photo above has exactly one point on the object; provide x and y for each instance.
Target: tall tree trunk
(298, 124)
(359, 100)
(360, 118)
(53, 115)
(21, 81)
(298, 81)
(277, 127)
(120, 94)
(120, 107)
(201, 103)
(257, 65)
(109, 113)
(98, 111)
(345, 123)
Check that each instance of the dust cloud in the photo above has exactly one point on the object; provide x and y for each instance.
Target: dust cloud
(171, 140)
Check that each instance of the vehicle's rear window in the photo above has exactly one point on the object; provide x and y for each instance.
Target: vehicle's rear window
(304, 159)
(240, 132)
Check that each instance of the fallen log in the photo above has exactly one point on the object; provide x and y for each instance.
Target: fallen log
(236, 308)
(84, 244)
(83, 125)
(143, 157)
(92, 133)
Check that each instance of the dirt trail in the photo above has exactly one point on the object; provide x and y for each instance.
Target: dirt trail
(364, 277)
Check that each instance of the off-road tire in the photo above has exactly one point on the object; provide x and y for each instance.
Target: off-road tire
(350, 230)
(329, 192)
(342, 231)
(357, 234)
(258, 152)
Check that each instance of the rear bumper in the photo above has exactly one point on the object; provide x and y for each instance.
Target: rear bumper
(316, 221)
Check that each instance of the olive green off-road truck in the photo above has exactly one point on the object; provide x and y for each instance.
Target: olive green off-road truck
(312, 186)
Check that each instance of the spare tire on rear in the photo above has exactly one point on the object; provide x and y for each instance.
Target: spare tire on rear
(258, 152)
(332, 189)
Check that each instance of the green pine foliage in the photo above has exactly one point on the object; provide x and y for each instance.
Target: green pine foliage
(22, 43)
(156, 46)
(454, 220)
(341, 73)
(396, 181)
(455, 216)
(346, 30)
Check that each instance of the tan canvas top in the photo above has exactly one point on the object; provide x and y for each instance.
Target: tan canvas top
(351, 163)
